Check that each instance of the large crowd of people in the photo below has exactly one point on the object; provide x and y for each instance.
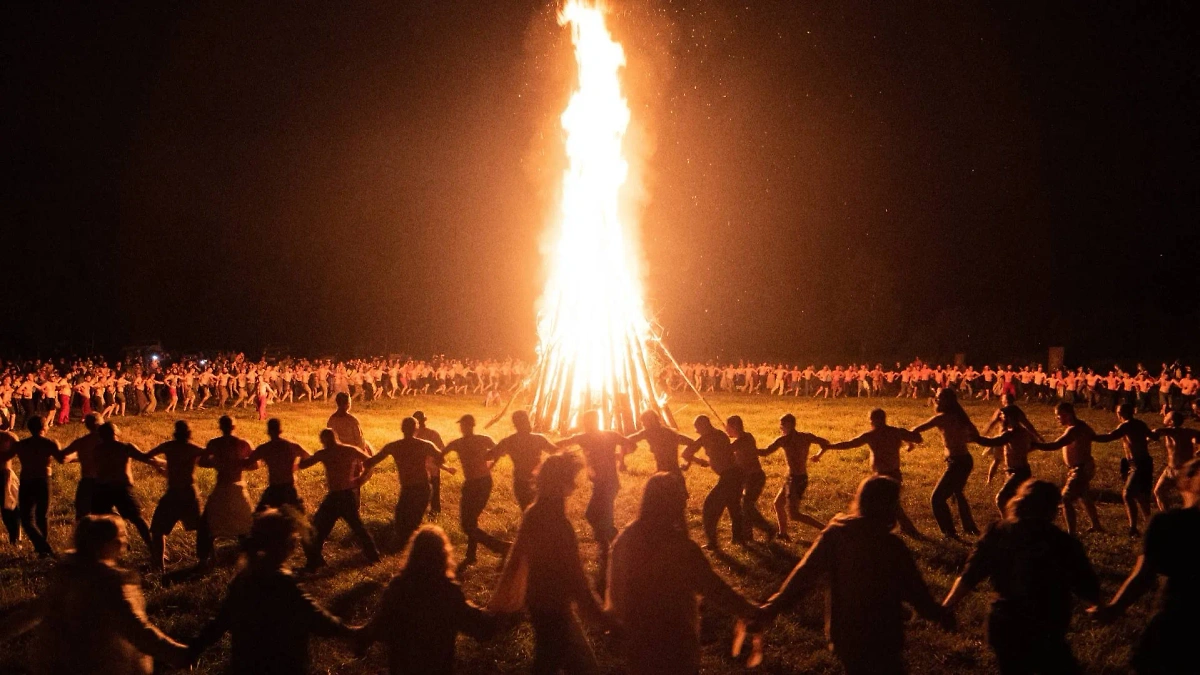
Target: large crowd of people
(650, 573)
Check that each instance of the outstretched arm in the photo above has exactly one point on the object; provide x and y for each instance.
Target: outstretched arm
(931, 423)
(315, 458)
(1120, 432)
(1060, 442)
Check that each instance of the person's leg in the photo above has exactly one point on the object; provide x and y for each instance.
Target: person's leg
(734, 480)
(599, 515)
(163, 520)
(962, 472)
(32, 497)
(524, 492)
(1162, 488)
(409, 510)
(435, 494)
(781, 512)
(755, 482)
(322, 523)
(941, 510)
(129, 509)
(469, 507)
(1014, 481)
(711, 514)
(1068, 507)
(349, 513)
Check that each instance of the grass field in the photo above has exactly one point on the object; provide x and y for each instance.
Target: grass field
(794, 643)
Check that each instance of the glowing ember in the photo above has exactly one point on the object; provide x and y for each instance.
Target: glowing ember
(592, 328)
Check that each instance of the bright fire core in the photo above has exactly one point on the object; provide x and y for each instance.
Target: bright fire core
(592, 327)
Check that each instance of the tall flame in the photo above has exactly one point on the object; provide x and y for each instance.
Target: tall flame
(592, 326)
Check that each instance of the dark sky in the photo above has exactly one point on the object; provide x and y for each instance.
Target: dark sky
(821, 180)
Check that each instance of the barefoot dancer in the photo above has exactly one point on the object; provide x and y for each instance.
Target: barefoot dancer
(1016, 442)
(1137, 467)
(1181, 447)
(1076, 444)
(884, 443)
(795, 446)
(957, 430)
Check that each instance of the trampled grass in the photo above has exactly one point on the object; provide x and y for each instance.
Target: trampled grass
(794, 643)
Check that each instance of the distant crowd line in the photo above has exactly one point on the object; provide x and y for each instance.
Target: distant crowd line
(61, 389)
(1171, 387)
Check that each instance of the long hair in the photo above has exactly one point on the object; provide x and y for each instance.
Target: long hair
(947, 403)
(664, 502)
(430, 555)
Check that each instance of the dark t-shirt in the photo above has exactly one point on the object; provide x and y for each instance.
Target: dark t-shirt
(1172, 549)
(1034, 568)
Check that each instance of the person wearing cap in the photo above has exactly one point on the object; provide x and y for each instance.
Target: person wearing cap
(526, 449)
(280, 455)
(410, 454)
(181, 502)
(474, 451)
(434, 470)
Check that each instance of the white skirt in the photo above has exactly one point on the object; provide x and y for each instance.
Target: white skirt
(228, 512)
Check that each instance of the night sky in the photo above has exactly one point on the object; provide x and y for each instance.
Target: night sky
(820, 180)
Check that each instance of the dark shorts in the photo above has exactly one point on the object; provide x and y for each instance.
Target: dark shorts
(795, 486)
(178, 505)
(277, 496)
(1141, 477)
(109, 497)
(599, 513)
(1079, 481)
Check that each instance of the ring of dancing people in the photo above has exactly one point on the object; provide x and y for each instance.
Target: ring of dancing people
(154, 506)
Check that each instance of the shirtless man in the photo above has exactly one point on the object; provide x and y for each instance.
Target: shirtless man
(1076, 444)
(1137, 467)
(410, 454)
(957, 431)
(84, 450)
(435, 477)
(35, 454)
(600, 452)
(114, 479)
(343, 475)
(726, 495)
(664, 442)
(181, 502)
(795, 446)
(1017, 441)
(526, 449)
(280, 455)
(474, 451)
(1181, 447)
(884, 442)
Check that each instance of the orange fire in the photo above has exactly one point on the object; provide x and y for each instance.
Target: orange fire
(592, 326)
